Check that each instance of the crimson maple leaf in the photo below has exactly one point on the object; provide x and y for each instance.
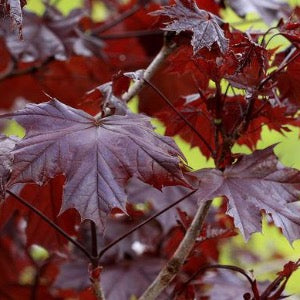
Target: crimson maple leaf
(256, 182)
(204, 25)
(96, 156)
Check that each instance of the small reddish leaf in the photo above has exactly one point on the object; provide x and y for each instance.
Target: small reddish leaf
(204, 25)
(97, 156)
(289, 268)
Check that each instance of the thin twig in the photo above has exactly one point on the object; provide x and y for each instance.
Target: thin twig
(106, 248)
(226, 267)
(131, 34)
(164, 52)
(270, 76)
(187, 122)
(172, 267)
(20, 72)
(94, 243)
(126, 14)
(51, 223)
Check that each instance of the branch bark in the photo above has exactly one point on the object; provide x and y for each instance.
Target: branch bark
(164, 52)
(170, 270)
(97, 289)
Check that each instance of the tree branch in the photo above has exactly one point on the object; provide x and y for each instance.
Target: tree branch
(170, 270)
(97, 289)
(164, 52)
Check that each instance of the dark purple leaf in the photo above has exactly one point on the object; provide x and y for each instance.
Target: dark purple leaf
(52, 35)
(96, 156)
(228, 285)
(204, 25)
(13, 10)
(7, 144)
(257, 182)
(269, 10)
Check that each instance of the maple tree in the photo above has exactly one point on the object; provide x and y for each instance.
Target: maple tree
(112, 206)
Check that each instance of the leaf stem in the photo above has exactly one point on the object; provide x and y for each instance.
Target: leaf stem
(172, 267)
(126, 14)
(131, 34)
(226, 267)
(187, 122)
(51, 223)
(13, 72)
(94, 243)
(110, 245)
(270, 76)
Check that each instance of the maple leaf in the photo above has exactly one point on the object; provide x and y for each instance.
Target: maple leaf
(269, 10)
(13, 9)
(96, 156)
(204, 25)
(7, 144)
(52, 35)
(257, 182)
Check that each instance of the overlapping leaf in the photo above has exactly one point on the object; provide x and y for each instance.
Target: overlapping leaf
(269, 10)
(13, 10)
(97, 156)
(204, 25)
(258, 182)
(6, 146)
(52, 35)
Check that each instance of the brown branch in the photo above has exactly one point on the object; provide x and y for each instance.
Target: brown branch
(172, 267)
(164, 52)
(97, 289)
